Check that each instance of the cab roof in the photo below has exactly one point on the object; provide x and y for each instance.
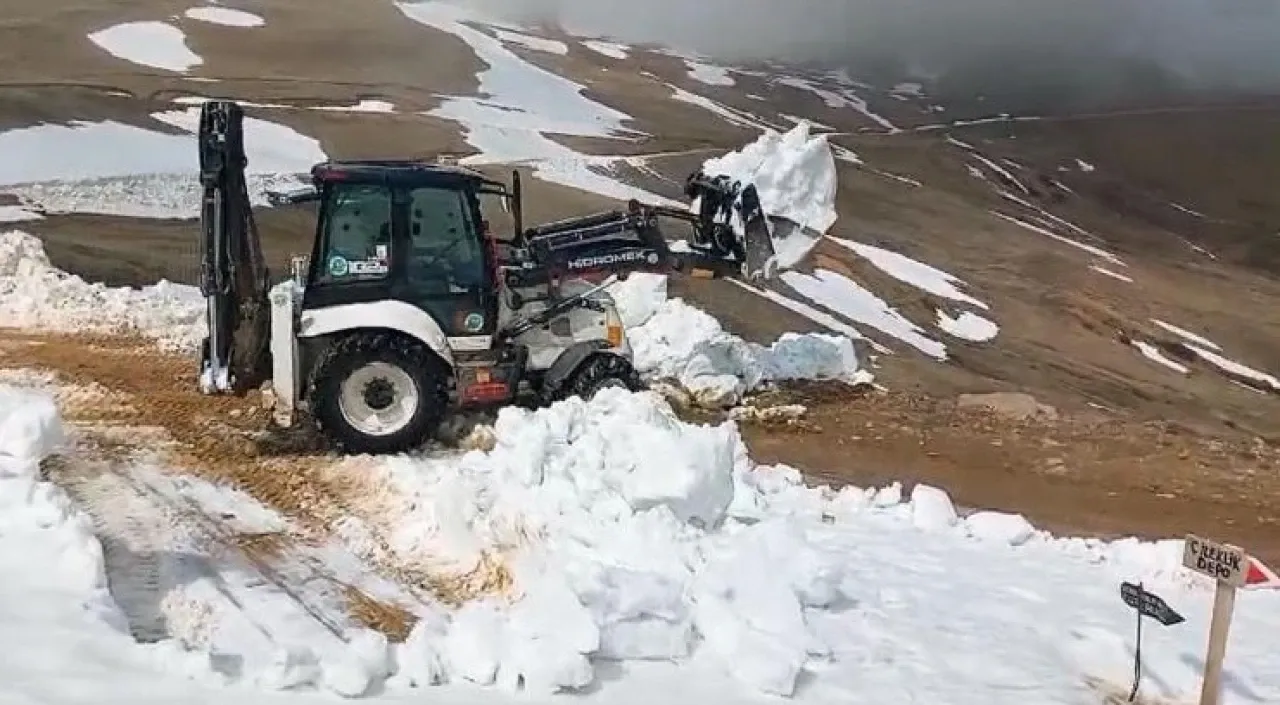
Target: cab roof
(404, 172)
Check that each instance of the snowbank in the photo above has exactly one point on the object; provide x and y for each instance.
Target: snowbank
(672, 340)
(630, 535)
(35, 294)
(795, 176)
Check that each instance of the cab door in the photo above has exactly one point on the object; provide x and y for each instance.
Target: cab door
(447, 267)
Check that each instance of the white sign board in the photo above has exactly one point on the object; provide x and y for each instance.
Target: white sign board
(1222, 562)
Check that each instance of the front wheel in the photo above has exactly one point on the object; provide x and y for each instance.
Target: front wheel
(378, 393)
(600, 371)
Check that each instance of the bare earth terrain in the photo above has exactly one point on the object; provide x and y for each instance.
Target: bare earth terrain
(1130, 447)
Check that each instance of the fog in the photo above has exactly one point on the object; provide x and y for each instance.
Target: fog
(1028, 50)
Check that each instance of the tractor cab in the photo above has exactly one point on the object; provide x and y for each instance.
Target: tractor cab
(408, 231)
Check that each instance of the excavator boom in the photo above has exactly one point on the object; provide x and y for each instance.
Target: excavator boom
(233, 272)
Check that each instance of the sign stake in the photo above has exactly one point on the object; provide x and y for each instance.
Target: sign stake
(1137, 655)
(1224, 602)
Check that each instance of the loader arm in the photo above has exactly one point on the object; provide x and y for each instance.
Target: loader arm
(729, 237)
(233, 272)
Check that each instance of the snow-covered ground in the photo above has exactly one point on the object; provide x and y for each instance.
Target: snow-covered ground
(649, 559)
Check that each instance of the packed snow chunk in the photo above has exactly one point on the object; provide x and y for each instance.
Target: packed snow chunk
(681, 343)
(641, 614)
(155, 44)
(999, 527)
(225, 16)
(795, 176)
(35, 294)
(967, 326)
(638, 297)
(931, 508)
(550, 634)
(750, 601)
(474, 644)
(30, 426)
(420, 659)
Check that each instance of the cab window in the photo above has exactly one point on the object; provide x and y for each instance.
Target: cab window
(356, 241)
(447, 256)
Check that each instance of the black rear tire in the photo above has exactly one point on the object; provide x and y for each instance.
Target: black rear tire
(600, 371)
(390, 363)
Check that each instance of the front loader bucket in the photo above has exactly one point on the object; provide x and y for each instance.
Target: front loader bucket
(771, 244)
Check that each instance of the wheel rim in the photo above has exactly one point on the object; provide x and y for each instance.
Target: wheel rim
(378, 399)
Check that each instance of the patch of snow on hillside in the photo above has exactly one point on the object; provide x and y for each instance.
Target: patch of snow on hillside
(550, 46)
(1188, 335)
(918, 274)
(515, 96)
(155, 44)
(967, 326)
(804, 310)
(35, 294)
(849, 299)
(1084, 166)
(1001, 172)
(1095, 251)
(1236, 368)
(613, 50)
(1110, 273)
(795, 176)
(1156, 355)
(907, 90)
(91, 150)
(841, 99)
(709, 74)
(363, 106)
(733, 116)
(225, 16)
(1188, 211)
(272, 148)
(518, 103)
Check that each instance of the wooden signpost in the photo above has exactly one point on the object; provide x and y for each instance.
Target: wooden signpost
(1232, 568)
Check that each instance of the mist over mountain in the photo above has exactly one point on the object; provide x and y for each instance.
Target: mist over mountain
(1039, 53)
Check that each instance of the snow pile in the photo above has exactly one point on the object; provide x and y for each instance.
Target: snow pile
(672, 340)
(35, 294)
(620, 513)
(155, 44)
(628, 534)
(795, 175)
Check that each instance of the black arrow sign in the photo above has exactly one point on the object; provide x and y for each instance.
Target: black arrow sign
(1149, 604)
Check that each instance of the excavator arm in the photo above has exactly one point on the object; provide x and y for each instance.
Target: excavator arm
(233, 273)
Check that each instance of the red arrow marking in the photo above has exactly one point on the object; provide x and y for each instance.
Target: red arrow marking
(1260, 576)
